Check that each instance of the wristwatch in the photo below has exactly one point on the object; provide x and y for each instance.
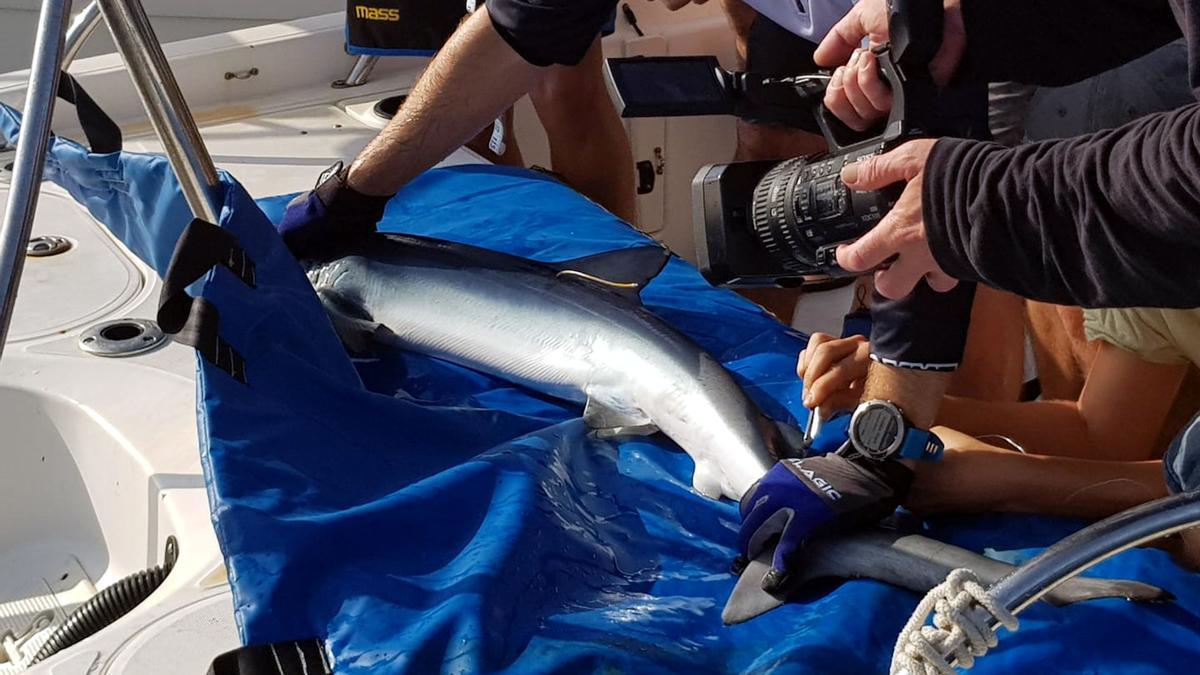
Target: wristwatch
(879, 430)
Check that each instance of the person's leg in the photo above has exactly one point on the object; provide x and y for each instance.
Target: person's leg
(1060, 349)
(765, 48)
(510, 152)
(740, 17)
(588, 145)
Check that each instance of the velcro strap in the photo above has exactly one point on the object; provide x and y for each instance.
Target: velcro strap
(195, 321)
(301, 657)
(103, 134)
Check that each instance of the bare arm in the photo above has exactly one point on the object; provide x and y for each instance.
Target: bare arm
(917, 392)
(471, 81)
(1119, 415)
(975, 477)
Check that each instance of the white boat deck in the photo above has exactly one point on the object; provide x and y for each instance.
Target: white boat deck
(101, 458)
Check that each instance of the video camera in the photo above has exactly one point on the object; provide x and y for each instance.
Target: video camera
(771, 223)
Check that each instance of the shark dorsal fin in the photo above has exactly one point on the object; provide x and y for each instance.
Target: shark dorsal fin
(626, 271)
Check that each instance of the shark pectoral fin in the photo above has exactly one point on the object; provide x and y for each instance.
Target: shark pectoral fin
(358, 333)
(626, 271)
(708, 482)
(609, 422)
(748, 599)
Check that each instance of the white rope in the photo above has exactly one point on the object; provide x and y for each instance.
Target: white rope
(958, 632)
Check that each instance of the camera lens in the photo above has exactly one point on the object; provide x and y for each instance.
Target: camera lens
(773, 212)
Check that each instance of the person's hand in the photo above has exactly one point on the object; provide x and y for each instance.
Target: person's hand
(677, 4)
(901, 233)
(329, 211)
(833, 370)
(802, 498)
(856, 92)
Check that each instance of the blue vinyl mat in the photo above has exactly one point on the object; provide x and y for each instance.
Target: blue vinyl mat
(425, 518)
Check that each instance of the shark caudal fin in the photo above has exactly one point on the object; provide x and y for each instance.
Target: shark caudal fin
(748, 599)
(1082, 589)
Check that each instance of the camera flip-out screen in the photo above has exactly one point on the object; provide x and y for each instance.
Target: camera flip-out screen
(667, 86)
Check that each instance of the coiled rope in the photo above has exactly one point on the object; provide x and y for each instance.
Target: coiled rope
(959, 634)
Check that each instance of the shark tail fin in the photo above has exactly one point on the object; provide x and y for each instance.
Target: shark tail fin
(1082, 589)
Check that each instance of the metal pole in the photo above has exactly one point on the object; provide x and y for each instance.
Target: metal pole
(1089, 547)
(31, 154)
(1093, 545)
(359, 73)
(164, 103)
(82, 27)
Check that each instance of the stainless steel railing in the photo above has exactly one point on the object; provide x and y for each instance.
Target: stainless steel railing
(55, 48)
(82, 28)
(359, 73)
(164, 103)
(1076, 554)
(1093, 545)
(30, 159)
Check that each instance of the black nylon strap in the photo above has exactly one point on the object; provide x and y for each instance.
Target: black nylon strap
(195, 321)
(103, 134)
(302, 657)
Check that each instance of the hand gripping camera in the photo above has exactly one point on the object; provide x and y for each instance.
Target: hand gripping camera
(773, 223)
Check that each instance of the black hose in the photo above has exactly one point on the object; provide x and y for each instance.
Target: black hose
(104, 608)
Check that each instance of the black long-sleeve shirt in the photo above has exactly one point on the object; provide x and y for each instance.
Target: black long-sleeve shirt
(1108, 219)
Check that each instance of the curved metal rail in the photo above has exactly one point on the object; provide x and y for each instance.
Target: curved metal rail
(1087, 548)
(82, 28)
(55, 48)
(1093, 545)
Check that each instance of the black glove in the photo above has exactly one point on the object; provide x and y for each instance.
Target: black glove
(329, 211)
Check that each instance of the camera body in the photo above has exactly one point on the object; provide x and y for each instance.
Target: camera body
(798, 211)
(770, 223)
(773, 223)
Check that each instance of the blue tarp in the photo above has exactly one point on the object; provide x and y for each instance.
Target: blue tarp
(425, 518)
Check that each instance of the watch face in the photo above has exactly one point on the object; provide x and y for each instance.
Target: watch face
(876, 429)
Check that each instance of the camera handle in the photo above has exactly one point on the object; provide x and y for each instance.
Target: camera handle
(915, 27)
(912, 99)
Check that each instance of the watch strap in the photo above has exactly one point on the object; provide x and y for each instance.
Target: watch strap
(921, 444)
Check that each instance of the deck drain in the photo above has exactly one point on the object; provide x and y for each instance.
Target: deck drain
(388, 107)
(47, 245)
(123, 337)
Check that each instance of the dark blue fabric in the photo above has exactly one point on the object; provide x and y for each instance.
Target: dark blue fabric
(441, 520)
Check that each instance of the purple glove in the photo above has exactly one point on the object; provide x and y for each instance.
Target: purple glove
(327, 212)
(802, 498)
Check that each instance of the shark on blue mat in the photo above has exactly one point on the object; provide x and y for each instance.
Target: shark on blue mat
(575, 330)
(910, 561)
